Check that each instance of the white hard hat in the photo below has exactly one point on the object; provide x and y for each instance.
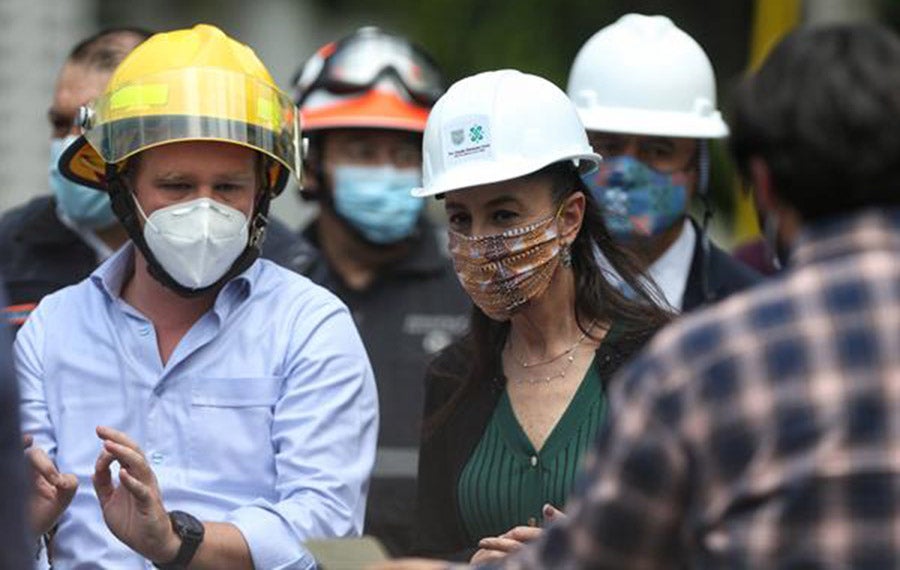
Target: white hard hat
(497, 126)
(643, 75)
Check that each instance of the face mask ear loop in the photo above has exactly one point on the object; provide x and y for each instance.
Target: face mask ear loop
(140, 211)
(559, 211)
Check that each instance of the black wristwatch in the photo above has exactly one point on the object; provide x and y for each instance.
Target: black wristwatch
(191, 532)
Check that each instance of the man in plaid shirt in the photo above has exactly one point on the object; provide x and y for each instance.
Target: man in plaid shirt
(765, 432)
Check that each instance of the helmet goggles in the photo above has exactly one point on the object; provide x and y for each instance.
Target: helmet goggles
(360, 61)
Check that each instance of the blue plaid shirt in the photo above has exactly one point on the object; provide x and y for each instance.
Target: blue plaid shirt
(761, 433)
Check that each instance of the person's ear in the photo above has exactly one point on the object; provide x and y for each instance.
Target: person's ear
(310, 180)
(571, 216)
(692, 172)
(761, 182)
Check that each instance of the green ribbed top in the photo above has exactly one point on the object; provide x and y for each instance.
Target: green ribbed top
(506, 482)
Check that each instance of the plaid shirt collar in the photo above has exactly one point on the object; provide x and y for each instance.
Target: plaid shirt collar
(869, 230)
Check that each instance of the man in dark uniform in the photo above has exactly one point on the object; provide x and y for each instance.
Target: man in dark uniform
(364, 102)
(14, 549)
(646, 93)
(57, 240)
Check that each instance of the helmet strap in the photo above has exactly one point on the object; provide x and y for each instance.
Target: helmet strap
(316, 164)
(124, 207)
(703, 160)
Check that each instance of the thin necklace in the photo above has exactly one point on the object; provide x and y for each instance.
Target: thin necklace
(567, 351)
(548, 379)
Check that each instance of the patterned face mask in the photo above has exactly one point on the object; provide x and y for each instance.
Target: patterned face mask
(637, 201)
(502, 272)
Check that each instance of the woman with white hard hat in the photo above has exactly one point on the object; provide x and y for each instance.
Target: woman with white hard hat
(511, 408)
(646, 92)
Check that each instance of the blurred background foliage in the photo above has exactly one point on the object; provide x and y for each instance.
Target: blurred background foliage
(536, 36)
(542, 37)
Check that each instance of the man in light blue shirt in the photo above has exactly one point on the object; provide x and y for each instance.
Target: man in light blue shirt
(223, 407)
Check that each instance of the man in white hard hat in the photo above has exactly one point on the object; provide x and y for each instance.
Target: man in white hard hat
(646, 93)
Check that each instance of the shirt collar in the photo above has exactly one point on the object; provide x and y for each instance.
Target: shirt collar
(846, 235)
(110, 276)
(670, 272)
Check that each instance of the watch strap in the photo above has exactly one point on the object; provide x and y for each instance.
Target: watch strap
(191, 532)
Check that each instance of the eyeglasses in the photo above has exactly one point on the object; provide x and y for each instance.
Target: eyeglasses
(663, 154)
(358, 62)
(405, 154)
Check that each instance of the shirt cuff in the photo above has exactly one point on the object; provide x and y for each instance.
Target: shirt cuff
(272, 540)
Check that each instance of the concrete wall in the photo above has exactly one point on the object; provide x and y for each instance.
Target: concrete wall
(35, 37)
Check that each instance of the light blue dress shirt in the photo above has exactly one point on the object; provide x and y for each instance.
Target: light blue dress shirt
(265, 415)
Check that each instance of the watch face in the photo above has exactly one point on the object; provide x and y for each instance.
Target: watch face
(187, 526)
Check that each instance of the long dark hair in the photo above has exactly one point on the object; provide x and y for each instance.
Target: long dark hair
(596, 298)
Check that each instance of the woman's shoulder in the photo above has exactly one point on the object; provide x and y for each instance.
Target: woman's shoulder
(447, 370)
(623, 342)
(634, 336)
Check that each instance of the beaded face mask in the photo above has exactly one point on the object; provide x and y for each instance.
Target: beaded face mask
(502, 272)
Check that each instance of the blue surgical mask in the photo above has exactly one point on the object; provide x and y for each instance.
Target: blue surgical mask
(377, 201)
(86, 207)
(637, 201)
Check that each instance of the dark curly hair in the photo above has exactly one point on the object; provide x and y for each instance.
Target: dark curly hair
(823, 113)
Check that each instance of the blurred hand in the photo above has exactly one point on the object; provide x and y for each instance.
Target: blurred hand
(496, 547)
(552, 514)
(412, 564)
(51, 491)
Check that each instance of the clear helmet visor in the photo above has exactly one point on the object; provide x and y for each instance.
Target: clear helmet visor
(194, 104)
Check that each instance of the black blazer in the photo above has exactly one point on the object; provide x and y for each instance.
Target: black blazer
(444, 453)
(724, 275)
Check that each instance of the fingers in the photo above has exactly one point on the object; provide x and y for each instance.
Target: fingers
(27, 441)
(126, 451)
(102, 479)
(130, 459)
(505, 545)
(107, 433)
(66, 487)
(44, 488)
(134, 473)
(552, 514)
(48, 482)
(523, 533)
(409, 564)
(486, 555)
(42, 465)
(140, 491)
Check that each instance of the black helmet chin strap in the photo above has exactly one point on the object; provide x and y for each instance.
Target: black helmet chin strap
(124, 207)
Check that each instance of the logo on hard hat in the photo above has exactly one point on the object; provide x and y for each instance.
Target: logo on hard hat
(468, 138)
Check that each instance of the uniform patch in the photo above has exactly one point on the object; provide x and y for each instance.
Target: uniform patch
(16, 315)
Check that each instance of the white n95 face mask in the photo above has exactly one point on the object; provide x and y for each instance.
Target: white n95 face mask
(197, 241)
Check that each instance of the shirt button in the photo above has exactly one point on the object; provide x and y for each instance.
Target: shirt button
(534, 460)
(156, 458)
